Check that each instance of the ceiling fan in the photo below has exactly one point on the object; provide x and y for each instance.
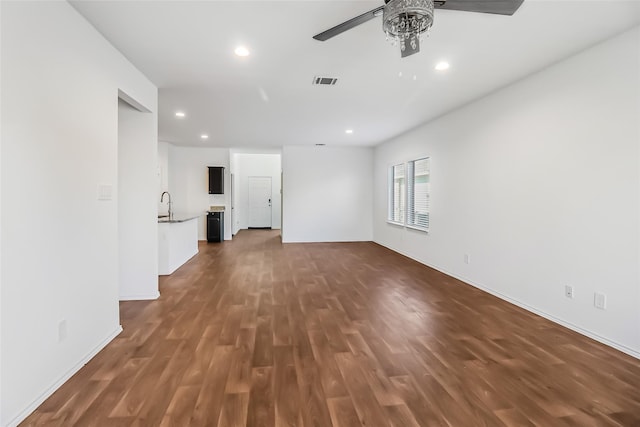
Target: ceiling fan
(405, 21)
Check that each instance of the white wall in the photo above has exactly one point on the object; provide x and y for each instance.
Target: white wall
(245, 165)
(163, 176)
(189, 183)
(327, 194)
(1, 245)
(137, 204)
(59, 134)
(539, 184)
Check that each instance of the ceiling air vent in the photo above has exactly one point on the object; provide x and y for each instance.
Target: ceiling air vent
(326, 81)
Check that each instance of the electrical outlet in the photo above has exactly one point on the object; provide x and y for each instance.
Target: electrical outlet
(62, 330)
(568, 291)
(600, 300)
(467, 259)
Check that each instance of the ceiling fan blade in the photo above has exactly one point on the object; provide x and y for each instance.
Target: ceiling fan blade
(499, 7)
(347, 25)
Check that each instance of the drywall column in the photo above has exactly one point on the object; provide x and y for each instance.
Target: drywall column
(137, 204)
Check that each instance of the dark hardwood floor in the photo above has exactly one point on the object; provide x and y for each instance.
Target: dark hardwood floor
(253, 332)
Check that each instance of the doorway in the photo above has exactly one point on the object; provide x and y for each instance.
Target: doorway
(253, 211)
(260, 201)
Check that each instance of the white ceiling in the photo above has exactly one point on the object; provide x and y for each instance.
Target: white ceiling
(267, 100)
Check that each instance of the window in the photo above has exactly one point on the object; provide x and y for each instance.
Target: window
(409, 190)
(418, 189)
(397, 193)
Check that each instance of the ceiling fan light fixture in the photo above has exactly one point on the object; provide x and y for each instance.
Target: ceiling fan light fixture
(406, 21)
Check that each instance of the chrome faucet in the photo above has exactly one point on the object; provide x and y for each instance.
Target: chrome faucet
(162, 199)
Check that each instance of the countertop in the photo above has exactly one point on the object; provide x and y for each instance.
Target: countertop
(177, 218)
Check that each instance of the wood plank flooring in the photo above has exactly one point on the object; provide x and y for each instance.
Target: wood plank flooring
(256, 333)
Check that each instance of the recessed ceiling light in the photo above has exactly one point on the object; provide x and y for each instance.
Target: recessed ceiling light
(442, 66)
(242, 51)
(204, 136)
(180, 114)
(349, 131)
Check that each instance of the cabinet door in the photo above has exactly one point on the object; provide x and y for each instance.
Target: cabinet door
(216, 180)
(213, 228)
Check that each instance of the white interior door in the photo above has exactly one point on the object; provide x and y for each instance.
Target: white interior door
(259, 202)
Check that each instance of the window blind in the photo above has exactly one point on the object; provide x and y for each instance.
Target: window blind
(418, 190)
(397, 191)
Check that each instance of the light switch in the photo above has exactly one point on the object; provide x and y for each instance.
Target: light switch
(600, 301)
(105, 191)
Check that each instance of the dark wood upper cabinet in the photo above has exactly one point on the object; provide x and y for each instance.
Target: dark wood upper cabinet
(216, 180)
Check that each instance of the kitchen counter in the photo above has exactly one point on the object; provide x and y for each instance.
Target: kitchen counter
(177, 218)
(216, 209)
(177, 241)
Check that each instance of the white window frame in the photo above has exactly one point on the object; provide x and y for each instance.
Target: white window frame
(405, 203)
(397, 205)
(418, 194)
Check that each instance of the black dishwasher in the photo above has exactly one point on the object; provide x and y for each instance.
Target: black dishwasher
(215, 227)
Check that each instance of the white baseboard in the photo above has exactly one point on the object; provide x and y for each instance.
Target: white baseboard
(152, 296)
(554, 319)
(64, 378)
